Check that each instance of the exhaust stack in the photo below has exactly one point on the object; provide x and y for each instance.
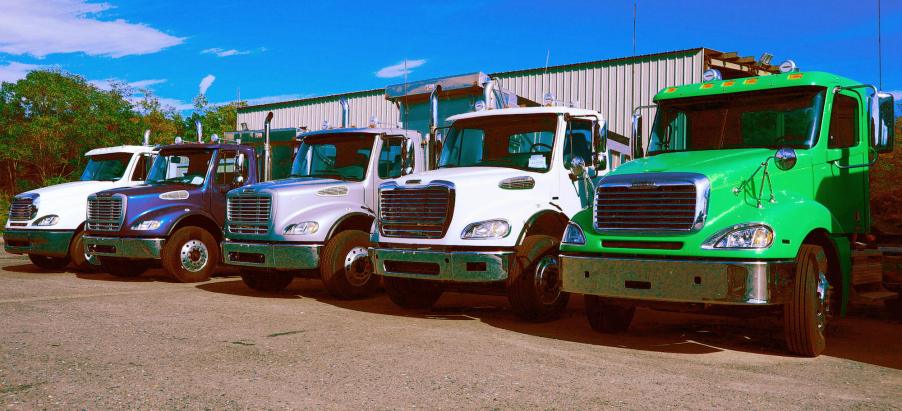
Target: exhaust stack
(147, 137)
(434, 145)
(489, 91)
(267, 149)
(200, 131)
(345, 112)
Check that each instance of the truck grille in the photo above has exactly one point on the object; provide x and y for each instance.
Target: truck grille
(249, 213)
(105, 212)
(22, 209)
(664, 204)
(421, 212)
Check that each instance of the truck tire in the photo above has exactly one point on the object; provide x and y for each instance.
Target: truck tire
(121, 267)
(267, 281)
(805, 314)
(345, 268)
(81, 261)
(49, 263)
(606, 317)
(412, 293)
(535, 291)
(190, 255)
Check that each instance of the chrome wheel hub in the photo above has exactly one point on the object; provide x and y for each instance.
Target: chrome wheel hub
(194, 255)
(548, 280)
(823, 301)
(358, 269)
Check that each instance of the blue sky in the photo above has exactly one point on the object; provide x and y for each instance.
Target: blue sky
(284, 50)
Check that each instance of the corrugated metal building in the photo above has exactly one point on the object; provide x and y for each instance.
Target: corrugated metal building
(613, 87)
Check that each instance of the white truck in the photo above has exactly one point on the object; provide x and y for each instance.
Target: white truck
(47, 223)
(491, 216)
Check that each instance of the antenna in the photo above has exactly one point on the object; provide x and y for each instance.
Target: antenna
(879, 51)
(545, 72)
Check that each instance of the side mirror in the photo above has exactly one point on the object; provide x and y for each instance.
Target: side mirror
(408, 156)
(785, 158)
(884, 135)
(636, 136)
(239, 180)
(599, 160)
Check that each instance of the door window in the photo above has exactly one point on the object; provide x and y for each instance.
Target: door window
(227, 170)
(843, 122)
(578, 142)
(390, 157)
(142, 168)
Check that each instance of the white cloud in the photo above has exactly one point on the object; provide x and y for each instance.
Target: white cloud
(42, 27)
(177, 104)
(219, 52)
(12, 71)
(400, 69)
(206, 82)
(106, 84)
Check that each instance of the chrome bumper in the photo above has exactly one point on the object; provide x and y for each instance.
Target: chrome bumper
(275, 256)
(131, 247)
(686, 281)
(40, 242)
(459, 266)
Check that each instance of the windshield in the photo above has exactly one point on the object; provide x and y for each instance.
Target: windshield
(753, 119)
(180, 167)
(106, 167)
(342, 156)
(523, 142)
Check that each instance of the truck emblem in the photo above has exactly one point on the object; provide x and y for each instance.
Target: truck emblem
(643, 185)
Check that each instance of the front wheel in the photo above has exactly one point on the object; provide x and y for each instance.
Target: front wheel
(190, 255)
(412, 293)
(121, 267)
(607, 317)
(267, 281)
(49, 263)
(345, 267)
(535, 293)
(805, 315)
(80, 260)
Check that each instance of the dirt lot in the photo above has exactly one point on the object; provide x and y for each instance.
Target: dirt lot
(92, 341)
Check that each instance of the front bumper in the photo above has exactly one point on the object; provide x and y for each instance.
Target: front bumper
(684, 281)
(130, 247)
(275, 256)
(457, 266)
(39, 242)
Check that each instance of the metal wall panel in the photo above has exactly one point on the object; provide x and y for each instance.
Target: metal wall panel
(312, 112)
(613, 88)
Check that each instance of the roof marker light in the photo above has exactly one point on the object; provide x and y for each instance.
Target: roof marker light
(548, 99)
(325, 124)
(711, 74)
(178, 140)
(479, 105)
(788, 66)
(750, 81)
(728, 83)
(670, 90)
(374, 121)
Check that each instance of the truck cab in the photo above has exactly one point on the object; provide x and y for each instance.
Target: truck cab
(48, 223)
(316, 222)
(490, 217)
(750, 195)
(174, 217)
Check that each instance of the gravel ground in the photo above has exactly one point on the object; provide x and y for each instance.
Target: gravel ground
(92, 341)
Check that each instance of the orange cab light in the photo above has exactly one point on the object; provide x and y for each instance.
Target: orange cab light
(707, 86)
(670, 90)
(750, 81)
(728, 83)
(795, 76)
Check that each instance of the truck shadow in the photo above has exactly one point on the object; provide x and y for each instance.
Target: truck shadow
(237, 287)
(864, 336)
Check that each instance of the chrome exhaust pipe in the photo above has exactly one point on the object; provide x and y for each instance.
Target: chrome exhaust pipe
(345, 112)
(147, 137)
(267, 149)
(200, 131)
(433, 144)
(488, 96)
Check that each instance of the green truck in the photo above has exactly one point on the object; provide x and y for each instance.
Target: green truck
(752, 192)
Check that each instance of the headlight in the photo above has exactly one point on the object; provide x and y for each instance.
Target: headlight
(305, 228)
(147, 225)
(486, 229)
(574, 235)
(742, 236)
(47, 221)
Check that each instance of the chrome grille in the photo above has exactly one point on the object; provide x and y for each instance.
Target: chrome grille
(22, 209)
(660, 203)
(249, 213)
(105, 212)
(417, 212)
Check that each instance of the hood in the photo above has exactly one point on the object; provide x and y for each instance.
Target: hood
(718, 166)
(153, 190)
(295, 182)
(70, 191)
(481, 177)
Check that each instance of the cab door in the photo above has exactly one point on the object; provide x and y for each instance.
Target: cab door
(576, 193)
(228, 174)
(842, 184)
(396, 157)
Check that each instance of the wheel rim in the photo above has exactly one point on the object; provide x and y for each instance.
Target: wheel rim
(823, 301)
(548, 280)
(357, 266)
(194, 255)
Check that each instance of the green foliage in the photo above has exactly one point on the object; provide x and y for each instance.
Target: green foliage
(50, 119)
(886, 190)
